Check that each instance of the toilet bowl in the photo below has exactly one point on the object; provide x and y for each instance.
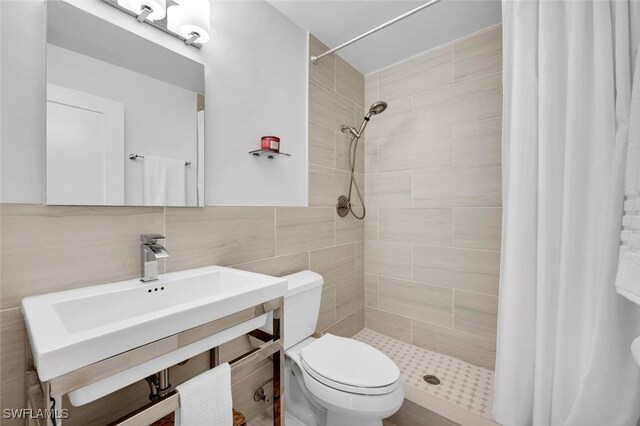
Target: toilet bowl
(332, 380)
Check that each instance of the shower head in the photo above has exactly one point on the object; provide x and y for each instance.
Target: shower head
(377, 108)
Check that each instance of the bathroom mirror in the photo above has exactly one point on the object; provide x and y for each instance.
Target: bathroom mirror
(124, 116)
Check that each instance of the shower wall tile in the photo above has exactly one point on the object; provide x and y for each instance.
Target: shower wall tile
(424, 72)
(348, 229)
(277, 266)
(346, 327)
(321, 145)
(477, 227)
(416, 226)
(12, 361)
(388, 189)
(349, 297)
(433, 188)
(416, 301)
(386, 323)
(371, 290)
(466, 102)
(471, 270)
(335, 264)
(342, 144)
(328, 108)
(418, 150)
(54, 248)
(325, 185)
(396, 120)
(478, 56)
(468, 347)
(327, 316)
(218, 236)
(458, 186)
(301, 229)
(349, 82)
(388, 259)
(371, 89)
(478, 143)
(359, 257)
(324, 70)
(476, 313)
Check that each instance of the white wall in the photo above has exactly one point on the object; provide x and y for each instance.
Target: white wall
(159, 118)
(256, 80)
(256, 84)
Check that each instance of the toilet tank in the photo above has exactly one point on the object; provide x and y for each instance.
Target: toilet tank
(301, 306)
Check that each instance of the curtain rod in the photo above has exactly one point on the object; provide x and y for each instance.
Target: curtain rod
(314, 59)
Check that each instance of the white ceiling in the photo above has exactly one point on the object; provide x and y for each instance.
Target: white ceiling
(335, 22)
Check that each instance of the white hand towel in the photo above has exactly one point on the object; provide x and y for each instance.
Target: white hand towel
(205, 400)
(164, 182)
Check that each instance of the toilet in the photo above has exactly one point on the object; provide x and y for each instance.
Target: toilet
(332, 380)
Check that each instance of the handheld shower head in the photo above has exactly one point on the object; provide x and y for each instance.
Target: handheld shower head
(377, 108)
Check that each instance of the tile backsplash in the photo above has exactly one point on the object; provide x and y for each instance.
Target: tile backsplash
(51, 248)
(433, 188)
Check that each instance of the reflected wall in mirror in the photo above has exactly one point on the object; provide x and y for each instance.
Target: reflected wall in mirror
(125, 116)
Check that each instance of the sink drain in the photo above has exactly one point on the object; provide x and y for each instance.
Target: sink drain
(431, 379)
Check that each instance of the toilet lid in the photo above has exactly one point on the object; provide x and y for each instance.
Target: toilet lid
(350, 362)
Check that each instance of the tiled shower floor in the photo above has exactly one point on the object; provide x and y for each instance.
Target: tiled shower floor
(464, 385)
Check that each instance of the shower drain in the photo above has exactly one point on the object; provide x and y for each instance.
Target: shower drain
(431, 379)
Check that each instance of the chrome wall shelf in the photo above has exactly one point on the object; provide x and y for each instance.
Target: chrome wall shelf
(267, 153)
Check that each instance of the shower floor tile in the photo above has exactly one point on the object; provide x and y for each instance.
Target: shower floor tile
(461, 384)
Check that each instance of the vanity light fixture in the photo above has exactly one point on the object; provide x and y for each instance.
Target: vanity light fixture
(188, 20)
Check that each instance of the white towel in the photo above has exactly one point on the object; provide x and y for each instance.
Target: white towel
(164, 182)
(205, 400)
(628, 276)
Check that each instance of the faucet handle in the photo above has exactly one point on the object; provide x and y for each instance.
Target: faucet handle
(150, 238)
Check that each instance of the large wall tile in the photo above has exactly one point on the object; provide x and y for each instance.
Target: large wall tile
(219, 236)
(324, 70)
(371, 290)
(470, 270)
(300, 229)
(12, 361)
(371, 224)
(478, 143)
(466, 102)
(389, 259)
(478, 55)
(421, 73)
(418, 150)
(327, 316)
(46, 249)
(388, 189)
(348, 229)
(326, 185)
(467, 347)
(349, 297)
(389, 324)
(359, 257)
(370, 89)
(342, 146)
(416, 301)
(476, 313)
(349, 82)
(335, 264)
(278, 266)
(346, 327)
(477, 227)
(457, 186)
(431, 227)
(397, 119)
(320, 145)
(328, 108)
(371, 156)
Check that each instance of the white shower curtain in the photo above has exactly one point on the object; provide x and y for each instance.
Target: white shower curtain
(563, 355)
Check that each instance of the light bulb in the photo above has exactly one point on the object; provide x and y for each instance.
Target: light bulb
(190, 17)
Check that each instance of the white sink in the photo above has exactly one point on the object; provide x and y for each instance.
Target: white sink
(71, 329)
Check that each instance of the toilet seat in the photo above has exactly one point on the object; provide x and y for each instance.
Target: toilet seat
(350, 366)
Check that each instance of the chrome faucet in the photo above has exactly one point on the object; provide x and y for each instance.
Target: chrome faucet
(150, 252)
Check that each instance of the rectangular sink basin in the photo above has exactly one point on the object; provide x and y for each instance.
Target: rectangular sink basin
(72, 329)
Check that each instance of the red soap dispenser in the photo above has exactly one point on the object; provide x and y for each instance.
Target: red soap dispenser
(271, 143)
